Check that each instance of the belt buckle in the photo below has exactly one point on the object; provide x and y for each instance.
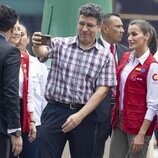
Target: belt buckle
(71, 106)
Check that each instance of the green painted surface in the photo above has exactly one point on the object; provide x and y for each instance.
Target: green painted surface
(60, 16)
(26, 7)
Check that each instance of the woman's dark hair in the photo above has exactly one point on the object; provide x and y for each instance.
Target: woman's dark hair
(146, 27)
(27, 31)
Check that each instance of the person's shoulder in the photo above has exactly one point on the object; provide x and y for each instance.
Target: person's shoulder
(100, 47)
(9, 48)
(156, 56)
(5, 45)
(34, 60)
(122, 47)
(103, 51)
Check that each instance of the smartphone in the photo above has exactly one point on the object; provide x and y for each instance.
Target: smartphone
(46, 39)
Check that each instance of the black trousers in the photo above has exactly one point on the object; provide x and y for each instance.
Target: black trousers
(4, 146)
(52, 139)
(103, 132)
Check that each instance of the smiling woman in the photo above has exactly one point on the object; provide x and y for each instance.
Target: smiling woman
(24, 39)
(16, 35)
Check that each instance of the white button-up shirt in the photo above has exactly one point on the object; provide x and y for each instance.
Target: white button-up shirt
(30, 97)
(39, 76)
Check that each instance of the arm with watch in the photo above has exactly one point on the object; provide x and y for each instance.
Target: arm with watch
(32, 132)
(31, 106)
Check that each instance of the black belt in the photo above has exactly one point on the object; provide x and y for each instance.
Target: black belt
(68, 105)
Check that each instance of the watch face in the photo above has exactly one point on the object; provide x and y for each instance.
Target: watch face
(18, 133)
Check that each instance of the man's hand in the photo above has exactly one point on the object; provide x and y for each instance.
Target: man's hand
(36, 39)
(72, 121)
(16, 145)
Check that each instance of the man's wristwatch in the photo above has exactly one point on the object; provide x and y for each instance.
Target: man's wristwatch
(17, 133)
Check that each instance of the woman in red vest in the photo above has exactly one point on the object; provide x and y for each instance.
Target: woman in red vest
(136, 94)
(26, 92)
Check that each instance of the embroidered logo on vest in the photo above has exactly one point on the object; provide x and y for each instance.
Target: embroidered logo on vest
(155, 77)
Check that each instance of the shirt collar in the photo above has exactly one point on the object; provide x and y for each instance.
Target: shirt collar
(26, 51)
(3, 37)
(106, 44)
(76, 41)
(141, 59)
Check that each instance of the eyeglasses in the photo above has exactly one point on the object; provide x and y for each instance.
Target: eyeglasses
(89, 25)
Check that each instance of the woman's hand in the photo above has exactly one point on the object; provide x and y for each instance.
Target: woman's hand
(138, 143)
(32, 132)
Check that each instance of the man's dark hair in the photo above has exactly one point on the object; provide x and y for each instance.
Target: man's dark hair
(92, 10)
(8, 18)
(106, 17)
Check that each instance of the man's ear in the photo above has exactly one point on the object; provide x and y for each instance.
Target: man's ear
(104, 28)
(99, 27)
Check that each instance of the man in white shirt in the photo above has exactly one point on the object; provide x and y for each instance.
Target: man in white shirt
(112, 33)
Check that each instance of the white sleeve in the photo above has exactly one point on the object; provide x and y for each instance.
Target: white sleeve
(156, 56)
(152, 91)
(31, 98)
(43, 81)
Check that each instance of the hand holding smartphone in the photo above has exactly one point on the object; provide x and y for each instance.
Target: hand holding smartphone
(45, 39)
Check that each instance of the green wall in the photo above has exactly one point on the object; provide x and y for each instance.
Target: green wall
(60, 16)
(26, 7)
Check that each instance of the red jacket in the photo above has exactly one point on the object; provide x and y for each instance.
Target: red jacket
(135, 92)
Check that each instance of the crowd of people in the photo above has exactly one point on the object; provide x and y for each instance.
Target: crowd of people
(95, 88)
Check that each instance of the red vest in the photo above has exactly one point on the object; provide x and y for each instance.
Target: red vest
(135, 91)
(25, 113)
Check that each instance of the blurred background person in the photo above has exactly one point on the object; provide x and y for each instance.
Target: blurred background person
(26, 92)
(39, 76)
(136, 99)
(9, 86)
(111, 34)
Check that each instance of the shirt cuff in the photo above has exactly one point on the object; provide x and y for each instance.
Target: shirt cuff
(150, 114)
(12, 130)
